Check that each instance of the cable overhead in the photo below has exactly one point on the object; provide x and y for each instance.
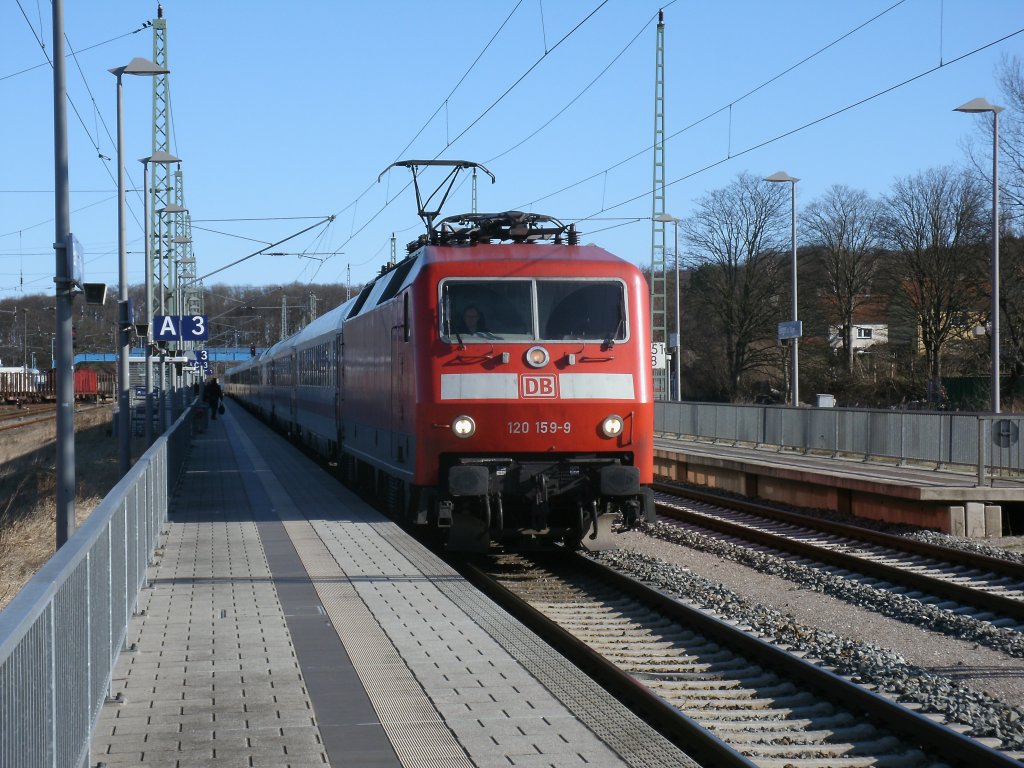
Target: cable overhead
(74, 107)
(724, 107)
(236, 262)
(522, 77)
(512, 87)
(472, 66)
(73, 52)
(429, 120)
(579, 95)
(814, 122)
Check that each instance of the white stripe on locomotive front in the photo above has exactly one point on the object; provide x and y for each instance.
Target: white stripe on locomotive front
(505, 386)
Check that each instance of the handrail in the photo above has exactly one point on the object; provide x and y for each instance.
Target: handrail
(61, 635)
(986, 445)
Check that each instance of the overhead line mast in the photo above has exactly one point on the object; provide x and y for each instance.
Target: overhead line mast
(172, 264)
(160, 179)
(659, 285)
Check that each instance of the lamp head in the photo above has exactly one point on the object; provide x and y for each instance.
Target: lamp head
(781, 176)
(161, 157)
(979, 105)
(139, 66)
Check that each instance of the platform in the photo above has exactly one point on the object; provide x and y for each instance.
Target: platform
(942, 499)
(287, 623)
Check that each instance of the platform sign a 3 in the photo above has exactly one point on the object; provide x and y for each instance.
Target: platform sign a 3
(180, 328)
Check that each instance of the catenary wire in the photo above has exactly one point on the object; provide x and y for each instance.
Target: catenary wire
(816, 121)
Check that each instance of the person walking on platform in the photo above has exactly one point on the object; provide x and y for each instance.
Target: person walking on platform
(212, 394)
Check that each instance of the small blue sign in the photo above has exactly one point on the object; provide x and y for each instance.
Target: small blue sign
(791, 329)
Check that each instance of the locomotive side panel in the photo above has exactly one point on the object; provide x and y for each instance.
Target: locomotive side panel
(375, 367)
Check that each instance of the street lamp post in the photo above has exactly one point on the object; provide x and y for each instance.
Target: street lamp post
(782, 176)
(137, 66)
(63, 279)
(24, 342)
(975, 106)
(165, 159)
(677, 391)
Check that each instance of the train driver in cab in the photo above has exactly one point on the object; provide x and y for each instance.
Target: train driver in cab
(473, 320)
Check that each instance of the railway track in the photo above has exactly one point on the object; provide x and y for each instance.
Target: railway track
(988, 589)
(26, 416)
(722, 693)
(35, 414)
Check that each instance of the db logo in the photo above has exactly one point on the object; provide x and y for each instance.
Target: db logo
(538, 386)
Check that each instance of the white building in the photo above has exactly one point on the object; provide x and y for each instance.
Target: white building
(864, 335)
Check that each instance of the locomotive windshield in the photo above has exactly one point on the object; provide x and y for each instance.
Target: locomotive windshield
(480, 311)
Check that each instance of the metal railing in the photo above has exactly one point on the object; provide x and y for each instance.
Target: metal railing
(989, 445)
(61, 635)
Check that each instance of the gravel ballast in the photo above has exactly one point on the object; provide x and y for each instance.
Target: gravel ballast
(967, 671)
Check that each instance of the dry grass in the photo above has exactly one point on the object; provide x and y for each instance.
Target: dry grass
(28, 491)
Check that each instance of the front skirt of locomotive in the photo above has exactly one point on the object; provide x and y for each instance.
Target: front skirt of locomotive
(544, 499)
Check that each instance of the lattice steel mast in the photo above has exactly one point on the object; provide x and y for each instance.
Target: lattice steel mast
(160, 178)
(172, 264)
(659, 285)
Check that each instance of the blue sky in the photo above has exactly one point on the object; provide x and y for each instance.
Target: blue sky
(285, 113)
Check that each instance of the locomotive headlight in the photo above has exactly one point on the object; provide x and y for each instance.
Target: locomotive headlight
(537, 357)
(612, 426)
(463, 426)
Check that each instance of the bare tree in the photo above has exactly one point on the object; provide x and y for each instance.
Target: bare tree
(1010, 77)
(934, 224)
(844, 225)
(1011, 139)
(736, 236)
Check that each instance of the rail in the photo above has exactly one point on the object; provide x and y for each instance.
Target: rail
(61, 635)
(988, 445)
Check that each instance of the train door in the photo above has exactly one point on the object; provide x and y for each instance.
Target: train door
(293, 395)
(339, 385)
(399, 406)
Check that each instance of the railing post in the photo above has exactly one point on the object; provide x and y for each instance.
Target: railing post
(903, 439)
(981, 450)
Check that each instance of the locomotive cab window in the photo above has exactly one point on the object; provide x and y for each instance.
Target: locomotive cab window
(587, 310)
(479, 311)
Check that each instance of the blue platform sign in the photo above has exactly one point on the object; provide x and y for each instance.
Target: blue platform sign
(180, 328)
(791, 329)
(194, 328)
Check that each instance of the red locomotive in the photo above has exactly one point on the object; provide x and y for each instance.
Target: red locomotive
(492, 384)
